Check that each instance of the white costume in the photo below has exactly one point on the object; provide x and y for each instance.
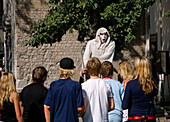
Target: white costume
(104, 51)
(96, 92)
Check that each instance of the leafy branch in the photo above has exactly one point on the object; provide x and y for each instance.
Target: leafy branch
(119, 17)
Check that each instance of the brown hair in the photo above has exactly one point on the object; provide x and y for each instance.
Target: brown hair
(39, 75)
(143, 73)
(7, 86)
(106, 69)
(93, 66)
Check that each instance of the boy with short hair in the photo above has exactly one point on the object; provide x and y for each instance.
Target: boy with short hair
(64, 99)
(33, 95)
(106, 72)
(98, 97)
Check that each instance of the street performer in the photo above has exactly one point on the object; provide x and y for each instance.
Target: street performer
(100, 47)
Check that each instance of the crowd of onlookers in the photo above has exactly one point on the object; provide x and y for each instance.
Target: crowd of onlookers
(99, 99)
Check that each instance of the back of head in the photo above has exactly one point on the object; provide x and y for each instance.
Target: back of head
(66, 68)
(144, 74)
(7, 86)
(125, 70)
(93, 66)
(66, 73)
(39, 75)
(136, 68)
(106, 69)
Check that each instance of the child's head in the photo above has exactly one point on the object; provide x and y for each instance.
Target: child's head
(7, 86)
(142, 69)
(125, 70)
(106, 69)
(93, 66)
(66, 68)
(39, 75)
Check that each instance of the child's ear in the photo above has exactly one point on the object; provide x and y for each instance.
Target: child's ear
(44, 78)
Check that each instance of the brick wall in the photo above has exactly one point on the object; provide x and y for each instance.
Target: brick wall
(27, 57)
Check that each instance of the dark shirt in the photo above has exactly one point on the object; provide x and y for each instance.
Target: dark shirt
(136, 101)
(32, 97)
(8, 112)
(64, 97)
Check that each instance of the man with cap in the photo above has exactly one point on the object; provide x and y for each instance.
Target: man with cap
(64, 100)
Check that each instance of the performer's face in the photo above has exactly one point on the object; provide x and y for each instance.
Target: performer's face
(103, 37)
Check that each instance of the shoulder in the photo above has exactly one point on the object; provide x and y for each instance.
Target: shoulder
(89, 83)
(132, 82)
(104, 83)
(42, 87)
(53, 83)
(75, 83)
(27, 86)
(14, 96)
(86, 82)
(112, 43)
(91, 42)
(112, 81)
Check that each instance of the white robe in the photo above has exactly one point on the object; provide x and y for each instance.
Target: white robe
(102, 51)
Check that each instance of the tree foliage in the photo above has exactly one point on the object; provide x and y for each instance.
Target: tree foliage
(118, 16)
(167, 13)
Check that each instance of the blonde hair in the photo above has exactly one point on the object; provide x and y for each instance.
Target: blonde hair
(7, 86)
(125, 70)
(136, 68)
(66, 73)
(142, 72)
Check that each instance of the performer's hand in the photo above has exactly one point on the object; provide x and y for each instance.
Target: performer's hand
(84, 71)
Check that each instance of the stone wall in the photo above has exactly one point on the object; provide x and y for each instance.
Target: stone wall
(26, 58)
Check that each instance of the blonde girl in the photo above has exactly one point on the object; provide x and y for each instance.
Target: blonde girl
(125, 72)
(140, 92)
(142, 72)
(9, 99)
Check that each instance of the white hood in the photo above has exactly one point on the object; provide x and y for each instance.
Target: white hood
(97, 39)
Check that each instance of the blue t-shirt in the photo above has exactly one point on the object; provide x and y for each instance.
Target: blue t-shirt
(136, 101)
(64, 97)
(118, 91)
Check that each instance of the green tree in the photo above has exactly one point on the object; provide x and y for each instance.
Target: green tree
(167, 13)
(118, 16)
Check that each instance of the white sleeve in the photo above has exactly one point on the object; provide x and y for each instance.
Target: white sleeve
(84, 92)
(109, 54)
(87, 53)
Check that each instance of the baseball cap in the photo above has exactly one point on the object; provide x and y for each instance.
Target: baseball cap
(67, 63)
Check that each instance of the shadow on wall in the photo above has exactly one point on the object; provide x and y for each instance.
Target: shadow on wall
(136, 47)
(28, 11)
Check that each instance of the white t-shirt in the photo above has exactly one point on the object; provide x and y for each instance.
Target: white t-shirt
(96, 92)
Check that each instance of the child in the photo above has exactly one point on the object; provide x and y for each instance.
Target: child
(97, 94)
(126, 74)
(64, 99)
(140, 92)
(106, 72)
(9, 99)
(33, 96)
